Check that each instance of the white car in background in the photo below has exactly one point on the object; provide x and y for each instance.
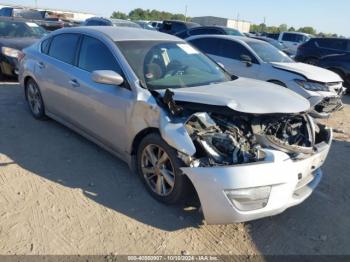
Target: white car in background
(252, 58)
(292, 40)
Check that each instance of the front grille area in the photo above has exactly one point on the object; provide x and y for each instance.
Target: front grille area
(329, 105)
(335, 87)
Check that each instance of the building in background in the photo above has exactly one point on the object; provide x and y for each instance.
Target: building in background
(240, 25)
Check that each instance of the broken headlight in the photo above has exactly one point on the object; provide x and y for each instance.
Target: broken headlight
(312, 86)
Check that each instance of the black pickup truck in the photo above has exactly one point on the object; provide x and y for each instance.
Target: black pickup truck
(32, 15)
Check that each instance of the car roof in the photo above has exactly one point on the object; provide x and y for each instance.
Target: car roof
(241, 39)
(122, 33)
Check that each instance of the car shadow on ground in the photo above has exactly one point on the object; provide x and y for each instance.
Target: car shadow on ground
(58, 154)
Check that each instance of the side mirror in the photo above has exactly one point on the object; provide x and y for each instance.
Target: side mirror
(247, 59)
(107, 77)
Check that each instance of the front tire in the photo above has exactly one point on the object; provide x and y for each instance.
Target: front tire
(34, 99)
(159, 169)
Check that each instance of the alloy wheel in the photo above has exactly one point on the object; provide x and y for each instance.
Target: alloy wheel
(34, 98)
(158, 170)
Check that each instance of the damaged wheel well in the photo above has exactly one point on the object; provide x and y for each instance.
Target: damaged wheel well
(138, 138)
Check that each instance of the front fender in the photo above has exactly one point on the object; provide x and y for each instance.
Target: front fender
(176, 135)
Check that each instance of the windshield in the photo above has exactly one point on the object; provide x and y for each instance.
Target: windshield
(162, 65)
(21, 29)
(233, 32)
(269, 53)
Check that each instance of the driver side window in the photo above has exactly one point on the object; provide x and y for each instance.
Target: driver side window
(234, 50)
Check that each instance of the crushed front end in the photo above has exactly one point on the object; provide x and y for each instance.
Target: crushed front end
(250, 166)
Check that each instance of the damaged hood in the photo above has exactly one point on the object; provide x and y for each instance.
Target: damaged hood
(310, 72)
(246, 96)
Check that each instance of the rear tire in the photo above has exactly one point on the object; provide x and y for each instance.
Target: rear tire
(159, 169)
(34, 99)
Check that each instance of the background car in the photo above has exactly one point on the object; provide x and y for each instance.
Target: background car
(186, 125)
(16, 34)
(248, 57)
(173, 27)
(145, 25)
(101, 21)
(156, 24)
(209, 30)
(311, 51)
(339, 64)
(291, 40)
(275, 43)
(33, 15)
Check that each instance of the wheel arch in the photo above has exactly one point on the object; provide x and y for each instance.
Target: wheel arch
(139, 136)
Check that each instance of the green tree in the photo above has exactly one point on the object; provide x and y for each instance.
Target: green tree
(283, 28)
(308, 30)
(119, 15)
(291, 29)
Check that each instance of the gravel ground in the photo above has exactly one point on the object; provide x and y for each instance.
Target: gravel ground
(61, 194)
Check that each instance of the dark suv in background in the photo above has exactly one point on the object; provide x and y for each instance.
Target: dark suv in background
(311, 51)
(208, 30)
(173, 27)
(339, 64)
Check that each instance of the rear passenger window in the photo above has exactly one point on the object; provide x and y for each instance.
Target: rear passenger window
(336, 44)
(207, 45)
(205, 31)
(293, 38)
(45, 46)
(63, 47)
(94, 55)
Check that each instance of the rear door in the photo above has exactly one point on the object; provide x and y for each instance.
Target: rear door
(54, 72)
(329, 46)
(99, 109)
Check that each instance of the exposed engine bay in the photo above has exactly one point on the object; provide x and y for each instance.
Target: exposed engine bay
(224, 137)
(231, 140)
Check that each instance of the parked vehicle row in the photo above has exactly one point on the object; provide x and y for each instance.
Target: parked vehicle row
(249, 148)
(32, 15)
(248, 57)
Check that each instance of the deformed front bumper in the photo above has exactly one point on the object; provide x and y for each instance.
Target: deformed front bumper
(9, 66)
(291, 183)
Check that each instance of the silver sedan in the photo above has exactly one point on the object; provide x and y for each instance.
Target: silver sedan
(248, 148)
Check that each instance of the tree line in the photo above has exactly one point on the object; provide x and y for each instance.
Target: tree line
(284, 27)
(151, 15)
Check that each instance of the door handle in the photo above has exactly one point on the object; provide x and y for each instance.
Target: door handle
(41, 65)
(74, 83)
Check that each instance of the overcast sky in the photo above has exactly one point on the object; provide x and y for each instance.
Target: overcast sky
(324, 15)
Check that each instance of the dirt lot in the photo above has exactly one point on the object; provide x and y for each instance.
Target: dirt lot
(61, 194)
